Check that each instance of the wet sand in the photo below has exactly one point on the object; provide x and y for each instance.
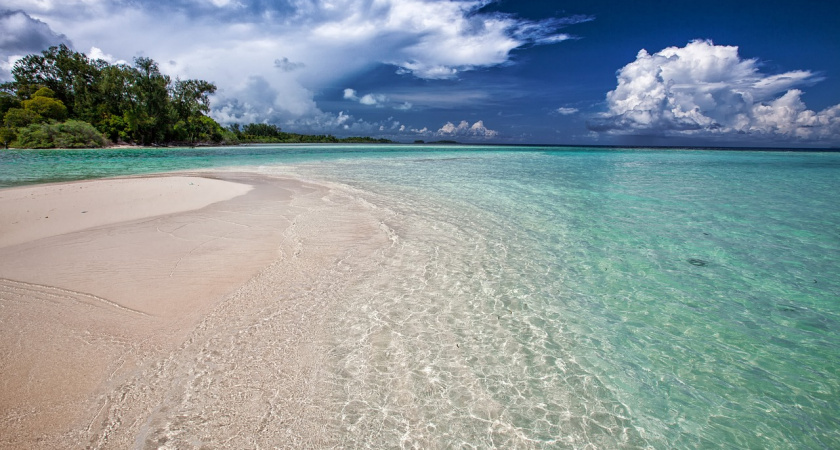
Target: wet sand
(180, 310)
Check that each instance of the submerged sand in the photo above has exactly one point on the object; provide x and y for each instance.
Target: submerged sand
(172, 310)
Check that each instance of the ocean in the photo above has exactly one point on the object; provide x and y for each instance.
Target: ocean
(567, 297)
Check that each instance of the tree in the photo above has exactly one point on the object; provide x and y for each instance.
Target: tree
(114, 90)
(67, 73)
(20, 117)
(191, 101)
(7, 135)
(43, 103)
(261, 129)
(148, 116)
(7, 102)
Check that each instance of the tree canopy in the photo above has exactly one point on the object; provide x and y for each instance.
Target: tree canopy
(131, 103)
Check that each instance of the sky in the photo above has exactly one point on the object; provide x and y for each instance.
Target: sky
(596, 72)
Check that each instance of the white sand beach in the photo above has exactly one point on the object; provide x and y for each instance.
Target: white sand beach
(120, 297)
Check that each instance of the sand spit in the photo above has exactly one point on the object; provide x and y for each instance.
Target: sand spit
(37, 212)
(177, 311)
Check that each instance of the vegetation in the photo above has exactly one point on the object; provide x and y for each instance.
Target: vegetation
(61, 98)
(261, 133)
(69, 134)
(122, 103)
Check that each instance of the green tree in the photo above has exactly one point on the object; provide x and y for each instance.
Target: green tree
(44, 104)
(261, 129)
(43, 92)
(20, 117)
(191, 101)
(7, 102)
(114, 89)
(148, 117)
(7, 135)
(69, 74)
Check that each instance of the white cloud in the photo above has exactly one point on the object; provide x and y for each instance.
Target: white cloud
(97, 53)
(377, 100)
(6, 66)
(373, 99)
(350, 94)
(704, 89)
(566, 111)
(222, 3)
(464, 129)
(429, 72)
(259, 100)
(432, 39)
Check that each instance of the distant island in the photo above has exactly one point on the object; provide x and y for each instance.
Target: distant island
(262, 133)
(63, 99)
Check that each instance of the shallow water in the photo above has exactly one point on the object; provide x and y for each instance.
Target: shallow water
(545, 297)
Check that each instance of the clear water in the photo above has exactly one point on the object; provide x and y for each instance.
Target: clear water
(540, 297)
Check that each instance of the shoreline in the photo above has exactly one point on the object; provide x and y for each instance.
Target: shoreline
(496, 145)
(92, 302)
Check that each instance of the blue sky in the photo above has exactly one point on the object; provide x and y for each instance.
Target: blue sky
(730, 73)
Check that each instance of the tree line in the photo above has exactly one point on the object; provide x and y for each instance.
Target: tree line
(123, 103)
(62, 98)
(269, 134)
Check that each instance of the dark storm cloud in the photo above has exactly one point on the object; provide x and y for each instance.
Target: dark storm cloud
(23, 34)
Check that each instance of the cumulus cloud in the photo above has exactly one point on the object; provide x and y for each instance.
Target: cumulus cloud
(97, 53)
(21, 35)
(377, 100)
(373, 99)
(350, 94)
(566, 111)
(435, 39)
(258, 100)
(345, 124)
(464, 129)
(704, 89)
(367, 99)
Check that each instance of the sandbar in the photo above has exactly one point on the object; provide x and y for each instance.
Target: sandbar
(105, 283)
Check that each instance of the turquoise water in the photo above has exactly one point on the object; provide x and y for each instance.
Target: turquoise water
(545, 297)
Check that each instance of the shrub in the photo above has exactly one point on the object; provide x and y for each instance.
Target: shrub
(70, 134)
(19, 117)
(37, 135)
(78, 134)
